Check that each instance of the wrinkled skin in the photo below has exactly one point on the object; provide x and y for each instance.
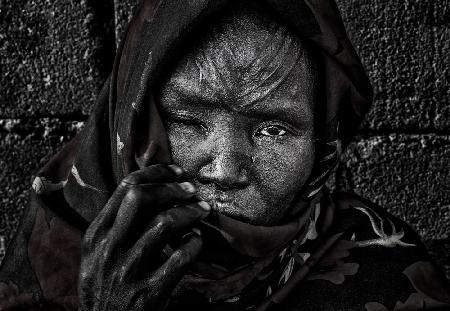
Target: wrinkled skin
(239, 116)
(123, 265)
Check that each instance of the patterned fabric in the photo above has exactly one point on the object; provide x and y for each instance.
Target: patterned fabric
(368, 260)
(340, 252)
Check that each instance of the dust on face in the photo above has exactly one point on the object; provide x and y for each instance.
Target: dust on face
(238, 110)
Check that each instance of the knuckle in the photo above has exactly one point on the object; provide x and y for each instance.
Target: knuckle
(161, 224)
(156, 169)
(188, 252)
(133, 194)
(170, 217)
(88, 238)
(181, 257)
(87, 241)
(90, 235)
(130, 180)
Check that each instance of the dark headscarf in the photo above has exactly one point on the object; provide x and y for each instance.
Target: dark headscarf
(125, 132)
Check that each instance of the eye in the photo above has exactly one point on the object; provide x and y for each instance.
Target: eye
(186, 121)
(272, 130)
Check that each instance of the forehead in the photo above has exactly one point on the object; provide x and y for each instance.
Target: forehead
(245, 63)
(292, 86)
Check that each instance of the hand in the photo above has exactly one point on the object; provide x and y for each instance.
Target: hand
(123, 265)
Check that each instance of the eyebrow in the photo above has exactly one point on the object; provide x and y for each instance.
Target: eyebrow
(185, 98)
(270, 112)
(185, 94)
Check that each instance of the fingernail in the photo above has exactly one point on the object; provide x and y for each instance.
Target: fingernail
(176, 169)
(197, 231)
(204, 205)
(187, 186)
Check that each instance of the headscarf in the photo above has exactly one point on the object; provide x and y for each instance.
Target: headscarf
(125, 132)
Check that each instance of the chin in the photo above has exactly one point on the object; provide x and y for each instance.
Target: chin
(245, 206)
(244, 213)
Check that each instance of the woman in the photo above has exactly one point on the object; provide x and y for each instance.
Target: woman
(198, 181)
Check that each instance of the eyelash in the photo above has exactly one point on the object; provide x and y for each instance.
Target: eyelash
(188, 120)
(275, 124)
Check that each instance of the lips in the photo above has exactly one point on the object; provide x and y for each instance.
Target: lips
(214, 195)
(223, 202)
(223, 199)
(223, 206)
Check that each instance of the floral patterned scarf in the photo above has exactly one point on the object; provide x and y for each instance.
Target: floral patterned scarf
(302, 263)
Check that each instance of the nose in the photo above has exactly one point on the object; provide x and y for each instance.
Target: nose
(229, 161)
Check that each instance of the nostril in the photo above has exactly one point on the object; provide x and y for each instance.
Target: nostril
(225, 174)
(232, 183)
(225, 182)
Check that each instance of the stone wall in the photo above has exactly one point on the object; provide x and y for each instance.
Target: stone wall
(55, 56)
(401, 157)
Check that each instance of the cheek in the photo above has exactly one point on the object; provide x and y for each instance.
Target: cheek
(184, 145)
(278, 170)
(282, 169)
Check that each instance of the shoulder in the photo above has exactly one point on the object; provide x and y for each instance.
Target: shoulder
(379, 263)
(380, 240)
(371, 224)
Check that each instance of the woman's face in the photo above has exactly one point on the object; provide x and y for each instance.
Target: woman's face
(246, 143)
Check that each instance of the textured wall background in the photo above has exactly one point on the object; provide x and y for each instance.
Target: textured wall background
(55, 55)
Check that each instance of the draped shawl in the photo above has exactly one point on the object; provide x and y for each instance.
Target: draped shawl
(339, 242)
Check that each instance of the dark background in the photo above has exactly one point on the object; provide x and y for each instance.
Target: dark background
(55, 55)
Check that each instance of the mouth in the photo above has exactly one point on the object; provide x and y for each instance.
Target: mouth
(226, 204)
(223, 202)
(227, 208)
(220, 203)
(222, 206)
(214, 196)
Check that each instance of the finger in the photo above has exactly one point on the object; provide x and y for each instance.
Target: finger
(163, 280)
(155, 197)
(163, 228)
(105, 218)
(153, 174)
(170, 273)
(103, 222)
(143, 202)
(134, 205)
